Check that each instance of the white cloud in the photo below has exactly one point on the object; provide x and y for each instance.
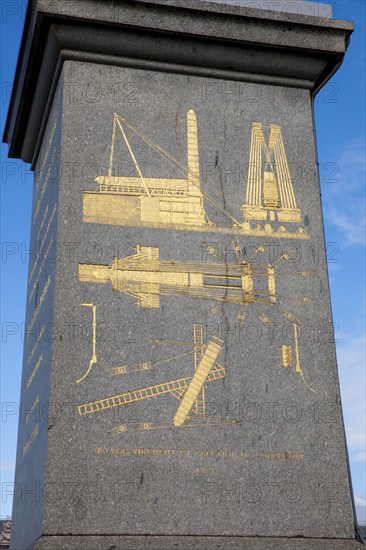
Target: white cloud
(343, 193)
(360, 501)
(7, 466)
(351, 363)
(350, 224)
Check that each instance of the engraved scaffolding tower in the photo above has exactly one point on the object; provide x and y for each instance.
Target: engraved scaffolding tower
(270, 192)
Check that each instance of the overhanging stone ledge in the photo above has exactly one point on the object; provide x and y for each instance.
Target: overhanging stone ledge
(234, 42)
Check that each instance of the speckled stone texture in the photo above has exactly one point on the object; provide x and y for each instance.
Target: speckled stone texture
(260, 461)
(301, 7)
(192, 543)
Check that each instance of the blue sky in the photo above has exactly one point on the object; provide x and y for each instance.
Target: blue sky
(340, 125)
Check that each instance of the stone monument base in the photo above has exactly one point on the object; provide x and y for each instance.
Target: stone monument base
(177, 221)
(191, 543)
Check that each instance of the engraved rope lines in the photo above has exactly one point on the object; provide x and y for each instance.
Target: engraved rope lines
(93, 359)
(290, 357)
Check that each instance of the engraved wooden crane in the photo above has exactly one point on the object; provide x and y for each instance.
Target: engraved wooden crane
(159, 200)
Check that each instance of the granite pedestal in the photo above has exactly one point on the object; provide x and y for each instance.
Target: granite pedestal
(180, 386)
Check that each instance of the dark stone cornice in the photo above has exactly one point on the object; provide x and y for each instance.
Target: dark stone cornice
(186, 36)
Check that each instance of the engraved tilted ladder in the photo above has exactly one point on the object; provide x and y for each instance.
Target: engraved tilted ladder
(198, 349)
(175, 387)
(200, 376)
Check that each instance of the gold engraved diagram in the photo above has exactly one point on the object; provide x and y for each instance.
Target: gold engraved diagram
(199, 378)
(145, 200)
(146, 277)
(179, 203)
(290, 357)
(270, 193)
(189, 390)
(94, 359)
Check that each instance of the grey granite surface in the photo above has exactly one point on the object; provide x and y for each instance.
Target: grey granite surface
(300, 7)
(192, 543)
(28, 502)
(258, 459)
(270, 459)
